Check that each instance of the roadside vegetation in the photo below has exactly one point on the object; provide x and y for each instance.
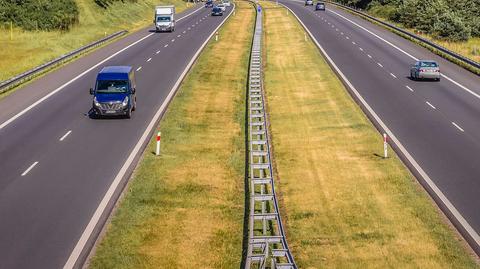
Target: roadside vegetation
(185, 209)
(454, 25)
(344, 206)
(44, 30)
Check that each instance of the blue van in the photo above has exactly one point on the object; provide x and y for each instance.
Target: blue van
(114, 92)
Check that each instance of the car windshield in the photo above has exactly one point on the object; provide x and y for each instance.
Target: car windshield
(112, 86)
(163, 19)
(428, 64)
(216, 9)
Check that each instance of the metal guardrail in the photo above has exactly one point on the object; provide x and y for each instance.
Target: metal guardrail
(267, 244)
(14, 81)
(414, 36)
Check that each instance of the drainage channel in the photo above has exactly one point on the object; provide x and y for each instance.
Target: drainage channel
(267, 246)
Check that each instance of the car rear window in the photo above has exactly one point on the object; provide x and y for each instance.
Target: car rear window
(428, 64)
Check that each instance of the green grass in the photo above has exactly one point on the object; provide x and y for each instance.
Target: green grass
(28, 49)
(344, 207)
(185, 208)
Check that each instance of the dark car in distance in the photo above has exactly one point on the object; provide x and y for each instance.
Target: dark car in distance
(320, 6)
(216, 11)
(209, 3)
(115, 92)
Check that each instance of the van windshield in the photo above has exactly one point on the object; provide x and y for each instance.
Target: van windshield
(112, 86)
(163, 19)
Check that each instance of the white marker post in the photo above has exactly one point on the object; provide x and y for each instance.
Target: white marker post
(216, 36)
(385, 146)
(157, 152)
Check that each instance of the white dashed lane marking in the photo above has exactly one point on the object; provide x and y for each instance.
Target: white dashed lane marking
(157, 52)
(432, 106)
(379, 64)
(409, 88)
(29, 169)
(458, 127)
(393, 75)
(138, 69)
(149, 59)
(65, 135)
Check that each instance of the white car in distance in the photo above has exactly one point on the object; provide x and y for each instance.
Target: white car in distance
(226, 3)
(222, 7)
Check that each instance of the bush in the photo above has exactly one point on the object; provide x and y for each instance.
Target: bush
(449, 26)
(39, 14)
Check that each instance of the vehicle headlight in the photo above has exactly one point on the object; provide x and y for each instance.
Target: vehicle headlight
(95, 102)
(125, 101)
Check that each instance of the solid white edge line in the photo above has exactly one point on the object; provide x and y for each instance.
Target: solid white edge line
(72, 260)
(432, 106)
(458, 127)
(406, 53)
(19, 114)
(456, 214)
(29, 168)
(65, 135)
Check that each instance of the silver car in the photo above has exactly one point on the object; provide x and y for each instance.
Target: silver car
(226, 3)
(425, 69)
(309, 2)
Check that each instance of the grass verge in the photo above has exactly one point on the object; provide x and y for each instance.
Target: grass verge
(344, 207)
(185, 208)
(28, 49)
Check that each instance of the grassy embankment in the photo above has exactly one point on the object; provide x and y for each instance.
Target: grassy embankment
(185, 208)
(470, 48)
(28, 49)
(344, 207)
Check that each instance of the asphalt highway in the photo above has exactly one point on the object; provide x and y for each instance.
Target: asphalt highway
(57, 166)
(436, 124)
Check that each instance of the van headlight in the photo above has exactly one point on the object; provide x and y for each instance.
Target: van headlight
(95, 102)
(125, 101)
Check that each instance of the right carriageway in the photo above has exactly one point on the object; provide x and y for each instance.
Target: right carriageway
(434, 126)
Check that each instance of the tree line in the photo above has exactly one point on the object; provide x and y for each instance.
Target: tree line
(44, 15)
(453, 20)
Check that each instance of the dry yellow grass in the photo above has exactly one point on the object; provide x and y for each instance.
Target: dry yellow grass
(344, 207)
(28, 49)
(185, 209)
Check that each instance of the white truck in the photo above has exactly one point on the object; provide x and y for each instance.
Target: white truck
(164, 19)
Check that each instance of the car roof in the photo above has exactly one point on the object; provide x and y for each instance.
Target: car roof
(116, 69)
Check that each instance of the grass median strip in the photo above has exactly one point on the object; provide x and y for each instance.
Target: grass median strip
(185, 208)
(344, 206)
